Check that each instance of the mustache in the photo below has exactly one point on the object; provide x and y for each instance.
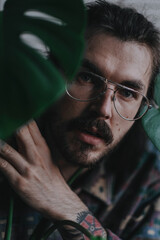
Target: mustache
(87, 124)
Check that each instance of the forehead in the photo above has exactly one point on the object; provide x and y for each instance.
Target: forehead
(120, 60)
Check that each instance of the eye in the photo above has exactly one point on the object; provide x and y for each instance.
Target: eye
(127, 94)
(85, 77)
(91, 81)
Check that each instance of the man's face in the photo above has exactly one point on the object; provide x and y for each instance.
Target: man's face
(86, 131)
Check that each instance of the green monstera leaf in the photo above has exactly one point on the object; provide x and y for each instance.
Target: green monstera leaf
(151, 120)
(30, 80)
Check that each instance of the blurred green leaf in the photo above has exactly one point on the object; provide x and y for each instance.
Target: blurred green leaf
(151, 124)
(157, 90)
(30, 81)
(151, 120)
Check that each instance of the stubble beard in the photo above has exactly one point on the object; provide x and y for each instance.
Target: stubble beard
(79, 153)
(73, 150)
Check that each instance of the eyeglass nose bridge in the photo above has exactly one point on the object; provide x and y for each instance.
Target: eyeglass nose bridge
(114, 90)
(110, 89)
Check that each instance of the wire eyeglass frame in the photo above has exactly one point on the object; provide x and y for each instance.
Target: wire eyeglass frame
(106, 81)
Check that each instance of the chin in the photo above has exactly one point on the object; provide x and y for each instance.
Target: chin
(77, 152)
(82, 154)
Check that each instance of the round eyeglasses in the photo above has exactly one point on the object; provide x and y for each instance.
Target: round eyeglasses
(130, 104)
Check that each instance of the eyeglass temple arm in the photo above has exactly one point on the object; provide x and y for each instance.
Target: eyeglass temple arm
(153, 105)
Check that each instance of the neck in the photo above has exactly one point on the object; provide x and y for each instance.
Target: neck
(66, 169)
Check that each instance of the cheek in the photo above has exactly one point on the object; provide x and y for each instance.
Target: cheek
(121, 128)
(118, 127)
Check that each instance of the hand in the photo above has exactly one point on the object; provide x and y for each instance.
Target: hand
(34, 176)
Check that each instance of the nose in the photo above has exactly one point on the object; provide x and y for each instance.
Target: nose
(104, 105)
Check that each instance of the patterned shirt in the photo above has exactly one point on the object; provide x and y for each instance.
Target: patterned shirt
(128, 211)
(133, 210)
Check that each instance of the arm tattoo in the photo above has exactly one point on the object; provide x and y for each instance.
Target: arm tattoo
(88, 221)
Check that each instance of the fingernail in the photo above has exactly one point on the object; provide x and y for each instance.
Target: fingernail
(18, 129)
(25, 124)
(30, 121)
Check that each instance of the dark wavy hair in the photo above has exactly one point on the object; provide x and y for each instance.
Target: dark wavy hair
(127, 25)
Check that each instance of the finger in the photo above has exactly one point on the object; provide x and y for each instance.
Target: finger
(24, 135)
(40, 143)
(8, 170)
(14, 178)
(13, 157)
(36, 134)
(26, 145)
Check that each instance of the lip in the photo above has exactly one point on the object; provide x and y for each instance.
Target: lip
(88, 138)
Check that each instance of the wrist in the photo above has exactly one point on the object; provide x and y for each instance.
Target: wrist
(66, 207)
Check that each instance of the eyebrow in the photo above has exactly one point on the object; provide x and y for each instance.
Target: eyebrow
(91, 66)
(134, 84)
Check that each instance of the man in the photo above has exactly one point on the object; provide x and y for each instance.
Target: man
(99, 113)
